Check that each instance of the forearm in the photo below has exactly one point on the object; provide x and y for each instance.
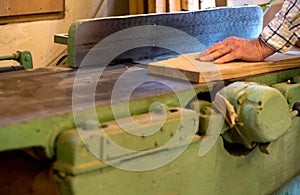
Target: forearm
(264, 49)
(279, 36)
(284, 30)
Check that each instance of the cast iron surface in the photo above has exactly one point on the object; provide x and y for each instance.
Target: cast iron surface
(27, 95)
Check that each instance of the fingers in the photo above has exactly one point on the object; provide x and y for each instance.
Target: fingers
(214, 52)
(236, 48)
(226, 58)
(205, 57)
(217, 46)
(210, 50)
(225, 51)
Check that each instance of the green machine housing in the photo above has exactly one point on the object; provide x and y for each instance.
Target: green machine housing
(238, 136)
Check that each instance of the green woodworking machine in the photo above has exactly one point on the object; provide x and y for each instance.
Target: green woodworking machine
(105, 125)
(24, 58)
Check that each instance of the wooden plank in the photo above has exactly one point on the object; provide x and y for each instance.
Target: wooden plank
(187, 68)
(157, 6)
(151, 6)
(190, 5)
(221, 3)
(136, 7)
(206, 4)
(17, 7)
(174, 5)
(161, 6)
(246, 2)
(31, 17)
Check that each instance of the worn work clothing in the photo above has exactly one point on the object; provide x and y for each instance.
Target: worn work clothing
(284, 30)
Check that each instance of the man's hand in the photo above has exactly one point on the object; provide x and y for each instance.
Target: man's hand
(236, 48)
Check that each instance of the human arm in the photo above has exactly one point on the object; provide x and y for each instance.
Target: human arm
(236, 48)
(279, 36)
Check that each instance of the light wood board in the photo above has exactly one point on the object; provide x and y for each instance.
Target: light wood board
(16, 8)
(174, 5)
(187, 68)
(136, 7)
(190, 5)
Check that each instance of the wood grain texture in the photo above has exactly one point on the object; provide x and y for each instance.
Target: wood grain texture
(47, 92)
(174, 5)
(161, 6)
(157, 6)
(136, 7)
(190, 5)
(151, 6)
(187, 68)
(16, 7)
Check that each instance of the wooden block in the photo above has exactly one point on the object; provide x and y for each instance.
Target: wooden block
(205, 4)
(157, 6)
(136, 7)
(221, 3)
(190, 5)
(174, 5)
(161, 6)
(248, 2)
(187, 68)
(15, 7)
(151, 6)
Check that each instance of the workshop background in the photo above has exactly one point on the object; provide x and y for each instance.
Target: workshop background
(37, 36)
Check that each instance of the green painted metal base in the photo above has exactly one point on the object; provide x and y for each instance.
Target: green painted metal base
(23, 57)
(216, 173)
(221, 171)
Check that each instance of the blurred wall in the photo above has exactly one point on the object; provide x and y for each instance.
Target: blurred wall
(37, 37)
(272, 11)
